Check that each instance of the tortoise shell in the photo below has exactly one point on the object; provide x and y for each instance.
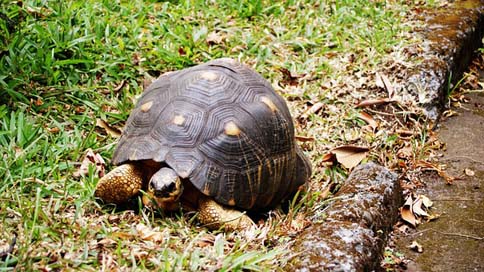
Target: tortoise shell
(221, 126)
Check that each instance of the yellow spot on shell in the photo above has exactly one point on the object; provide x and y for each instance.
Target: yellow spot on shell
(178, 120)
(146, 106)
(232, 129)
(209, 75)
(269, 103)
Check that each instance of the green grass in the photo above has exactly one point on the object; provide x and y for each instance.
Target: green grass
(61, 63)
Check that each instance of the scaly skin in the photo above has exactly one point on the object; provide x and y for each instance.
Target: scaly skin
(126, 181)
(121, 184)
(213, 216)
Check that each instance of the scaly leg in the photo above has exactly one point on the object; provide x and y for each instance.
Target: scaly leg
(214, 216)
(119, 185)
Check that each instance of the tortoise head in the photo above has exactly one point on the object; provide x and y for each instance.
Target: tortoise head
(165, 187)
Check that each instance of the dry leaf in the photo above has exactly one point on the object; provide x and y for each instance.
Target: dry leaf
(469, 172)
(91, 158)
(149, 234)
(406, 212)
(107, 242)
(416, 247)
(215, 38)
(205, 240)
(122, 235)
(329, 159)
(383, 82)
(290, 77)
(368, 119)
(404, 132)
(120, 86)
(111, 131)
(304, 138)
(417, 208)
(405, 152)
(448, 178)
(426, 201)
(312, 110)
(326, 192)
(53, 130)
(433, 217)
(350, 156)
(371, 102)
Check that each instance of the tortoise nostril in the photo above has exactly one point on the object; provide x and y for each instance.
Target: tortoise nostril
(166, 191)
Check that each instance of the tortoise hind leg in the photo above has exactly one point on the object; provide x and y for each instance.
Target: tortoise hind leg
(121, 184)
(214, 216)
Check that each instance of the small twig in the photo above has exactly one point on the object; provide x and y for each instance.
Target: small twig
(464, 157)
(420, 232)
(380, 112)
(460, 235)
(43, 183)
(454, 199)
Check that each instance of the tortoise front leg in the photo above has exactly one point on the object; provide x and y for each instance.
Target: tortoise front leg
(214, 216)
(121, 184)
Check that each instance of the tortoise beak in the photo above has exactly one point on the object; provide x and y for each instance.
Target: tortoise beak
(165, 185)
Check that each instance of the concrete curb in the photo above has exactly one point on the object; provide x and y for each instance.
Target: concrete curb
(451, 36)
(359, 219)
(353, 236)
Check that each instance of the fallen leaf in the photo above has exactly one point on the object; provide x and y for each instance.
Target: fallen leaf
(107, 242)
(383, 82)
(449, 113)
(111, 131)
(326, 192)
(371, 102)
(290, 77)
(469, 172)
(433, 217)
(53, 130)
(405, 152)
(120, 86)
(404, 132)
(448, 178)
(416, 247)
(149, 234)
(215, 38)
(39, 102)
(304, 138)
(205, 240)
(426, 201)
(91, 158)
(123, 235)
(350, 156)
(417, 208)
(315, 108)
(406, 212)
(368, 119)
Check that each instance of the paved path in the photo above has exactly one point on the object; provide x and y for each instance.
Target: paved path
(455, 242)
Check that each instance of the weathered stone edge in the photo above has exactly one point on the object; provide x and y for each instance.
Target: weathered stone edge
(353, 236)
(359, 219)
(451, 37)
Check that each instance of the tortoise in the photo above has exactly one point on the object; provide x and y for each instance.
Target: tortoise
(215, 137)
